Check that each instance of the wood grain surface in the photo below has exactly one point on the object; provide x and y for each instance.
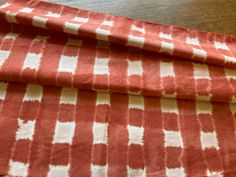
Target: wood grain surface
(208, 15)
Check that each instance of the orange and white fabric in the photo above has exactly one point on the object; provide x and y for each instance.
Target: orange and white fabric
(89, 94)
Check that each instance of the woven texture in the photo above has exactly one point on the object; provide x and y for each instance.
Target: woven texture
(89, 94)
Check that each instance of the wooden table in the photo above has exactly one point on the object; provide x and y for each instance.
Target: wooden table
(209, 15)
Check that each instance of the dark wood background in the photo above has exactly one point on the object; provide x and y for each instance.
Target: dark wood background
(209, 15)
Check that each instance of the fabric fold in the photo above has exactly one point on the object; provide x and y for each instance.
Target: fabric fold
(89, 94)
(180, 43)
(67, 47)
(48, 58)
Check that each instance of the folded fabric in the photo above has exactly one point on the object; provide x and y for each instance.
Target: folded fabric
(90, 94)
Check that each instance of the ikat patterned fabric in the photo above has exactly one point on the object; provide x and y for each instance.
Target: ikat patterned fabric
(85, 94)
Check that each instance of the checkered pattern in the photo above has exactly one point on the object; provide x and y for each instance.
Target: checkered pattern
(49, 126)
(191, 44)
(79, 98)
(91, 65)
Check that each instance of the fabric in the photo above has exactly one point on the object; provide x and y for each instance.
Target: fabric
(89, 94)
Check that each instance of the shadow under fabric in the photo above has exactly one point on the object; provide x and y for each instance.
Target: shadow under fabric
(90, 94)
